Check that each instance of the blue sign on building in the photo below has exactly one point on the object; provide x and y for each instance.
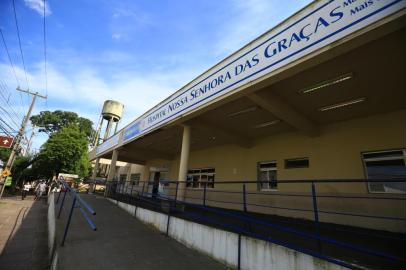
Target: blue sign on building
(132, 131)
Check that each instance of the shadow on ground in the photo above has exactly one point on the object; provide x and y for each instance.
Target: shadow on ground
(25, 234)
(120, 242)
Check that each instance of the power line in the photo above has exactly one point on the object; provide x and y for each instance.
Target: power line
(10, 112)
(9, 116)
(4, 130)
(45, 56)
(5, 124)
(13, 119)
(10, 129)
(21, 133)
(9, 58)
(9, 102)
(19, 42)
(12, 65)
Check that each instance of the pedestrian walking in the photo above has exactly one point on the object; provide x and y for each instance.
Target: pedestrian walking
(41, 188)
(26, 189)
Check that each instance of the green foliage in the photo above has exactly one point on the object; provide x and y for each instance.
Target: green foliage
(19, 169)
(20, 164)
(51, 122)
(65, 151)
(4, 154)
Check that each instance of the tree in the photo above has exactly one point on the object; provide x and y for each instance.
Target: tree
(4, 154)
(64, 151)
(19, 169)
(51, 122)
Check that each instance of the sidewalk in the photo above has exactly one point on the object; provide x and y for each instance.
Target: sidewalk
(122, 242)
(23, 234)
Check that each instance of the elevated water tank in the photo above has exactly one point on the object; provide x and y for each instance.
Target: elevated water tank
(112, 109)
(111, 113)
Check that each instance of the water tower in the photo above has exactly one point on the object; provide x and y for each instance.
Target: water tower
(111, 114)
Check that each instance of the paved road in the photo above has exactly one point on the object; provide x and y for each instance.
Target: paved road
(122, 242)
(23, 234)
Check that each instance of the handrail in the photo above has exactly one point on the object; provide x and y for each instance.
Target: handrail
(123, 190)
(85, 204)
(292, 181)
(78, 202)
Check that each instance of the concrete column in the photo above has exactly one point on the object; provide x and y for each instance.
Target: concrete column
(94, 174)
(113, 162)
(108, 128)
(184, 160)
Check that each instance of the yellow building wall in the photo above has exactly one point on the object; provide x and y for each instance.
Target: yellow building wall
(335, 154)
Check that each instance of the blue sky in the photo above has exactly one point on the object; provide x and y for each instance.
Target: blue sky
(137, 52)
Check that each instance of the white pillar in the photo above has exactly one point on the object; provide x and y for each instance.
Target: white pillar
(94, 175)
(184, 160)
(112, 170)
(113, 162)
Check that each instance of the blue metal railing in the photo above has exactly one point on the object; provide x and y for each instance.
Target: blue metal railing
(77, 202)
(125, 191)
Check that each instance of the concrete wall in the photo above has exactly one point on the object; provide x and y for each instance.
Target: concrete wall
(52, 248)
(219, 244)
(129, 169)
(223, 246)
(260, 254)
(51, 224)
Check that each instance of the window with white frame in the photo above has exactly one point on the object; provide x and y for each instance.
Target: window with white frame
(390, 164)
(135, 179)
(198, 178)
(267, 175)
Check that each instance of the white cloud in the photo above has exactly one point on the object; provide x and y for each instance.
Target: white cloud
(247, 19)
(85, 90)
(127, 20)
(76, 83)
(116, 36)
(38, 6)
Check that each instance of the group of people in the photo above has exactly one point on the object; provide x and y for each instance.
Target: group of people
(40, 189)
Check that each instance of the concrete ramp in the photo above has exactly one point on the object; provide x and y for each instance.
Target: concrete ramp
(120, 242)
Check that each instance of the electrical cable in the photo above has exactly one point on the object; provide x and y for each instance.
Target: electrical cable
(9, 102)
(11, 63)
(5, 131)
(21, 50)
(10, 129)
(9, 57)
(45, 58)
(19, 42)
(9, 116)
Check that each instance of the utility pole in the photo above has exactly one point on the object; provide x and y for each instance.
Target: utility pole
(19, 135)
(27, 150)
